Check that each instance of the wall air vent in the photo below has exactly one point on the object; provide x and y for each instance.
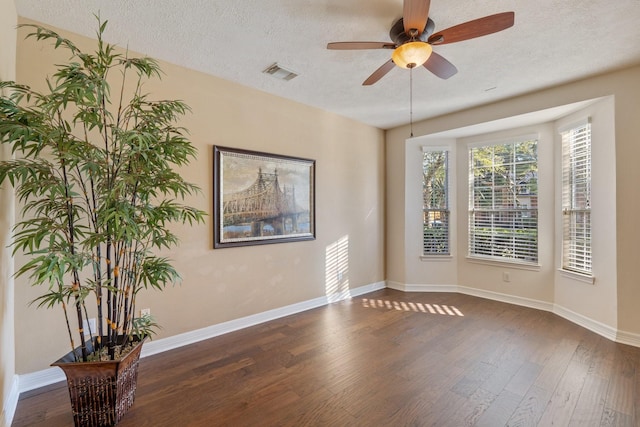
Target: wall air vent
(280, 73)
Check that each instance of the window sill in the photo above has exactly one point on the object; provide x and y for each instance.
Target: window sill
(504, 264)
(580, 277)
(436, 258)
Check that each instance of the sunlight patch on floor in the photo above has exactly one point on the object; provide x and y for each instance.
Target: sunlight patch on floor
(445, 310)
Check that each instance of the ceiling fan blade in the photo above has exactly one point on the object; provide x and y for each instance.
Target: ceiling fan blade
(472, 29)
(360, 45)
(379, 73)
(440, 66)
(414, 15)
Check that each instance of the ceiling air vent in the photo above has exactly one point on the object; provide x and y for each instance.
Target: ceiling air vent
(280, 73)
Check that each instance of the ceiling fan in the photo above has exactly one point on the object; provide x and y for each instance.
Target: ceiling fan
(412, 37)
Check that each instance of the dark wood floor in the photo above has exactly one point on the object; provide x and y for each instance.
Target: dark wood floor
(384, 359)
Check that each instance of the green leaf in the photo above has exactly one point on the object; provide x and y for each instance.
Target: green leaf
(95, 176)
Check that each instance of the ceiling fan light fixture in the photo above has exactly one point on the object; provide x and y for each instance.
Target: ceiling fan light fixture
(411, 54)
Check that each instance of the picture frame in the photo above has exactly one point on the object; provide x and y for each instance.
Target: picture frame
(261, 198)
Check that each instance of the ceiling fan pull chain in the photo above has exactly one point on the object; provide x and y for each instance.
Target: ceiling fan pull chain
(411, 100)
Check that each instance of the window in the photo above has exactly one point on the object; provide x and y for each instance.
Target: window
(435, 202)
(576, 198)
(503, 201)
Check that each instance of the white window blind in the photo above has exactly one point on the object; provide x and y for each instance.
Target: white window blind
(503, 201)
(435, 203)
(576, 198)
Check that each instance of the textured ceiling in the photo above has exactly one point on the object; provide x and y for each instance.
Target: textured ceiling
(552, 42)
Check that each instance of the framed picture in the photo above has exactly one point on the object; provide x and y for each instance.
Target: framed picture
(261, 198)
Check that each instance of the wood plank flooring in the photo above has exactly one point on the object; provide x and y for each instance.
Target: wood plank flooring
(387, 358)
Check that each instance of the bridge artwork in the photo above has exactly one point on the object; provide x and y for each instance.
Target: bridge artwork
(262, 198)
(265, 208)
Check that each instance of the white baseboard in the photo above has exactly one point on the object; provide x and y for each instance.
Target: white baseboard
(395, 285)
(496, 296)
(49, 376)
(170, 343)
(511, 299)
(34, 380)
(599, 328)
(587, 323)
(628, 338)
(10, 404)
(428, 288)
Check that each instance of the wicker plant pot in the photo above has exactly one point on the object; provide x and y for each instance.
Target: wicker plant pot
(101, 392)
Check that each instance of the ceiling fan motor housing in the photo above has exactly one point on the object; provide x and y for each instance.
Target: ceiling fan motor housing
(399, 36)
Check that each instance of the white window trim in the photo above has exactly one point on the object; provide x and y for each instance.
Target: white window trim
(478, 259)
(450, 201)
(520, 265)
(430, 148)
(586, 277)
(511, 140)
(430, 258)
(580, 277)
(574, 124)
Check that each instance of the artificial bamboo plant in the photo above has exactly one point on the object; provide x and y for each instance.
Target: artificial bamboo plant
(93, 168)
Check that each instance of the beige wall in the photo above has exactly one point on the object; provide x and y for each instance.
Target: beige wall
(225, 284)
(439, 270)
(395, 202)
(523, 283)
(8, 20)
(598, 301)
(614, 298)
(627, 113)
